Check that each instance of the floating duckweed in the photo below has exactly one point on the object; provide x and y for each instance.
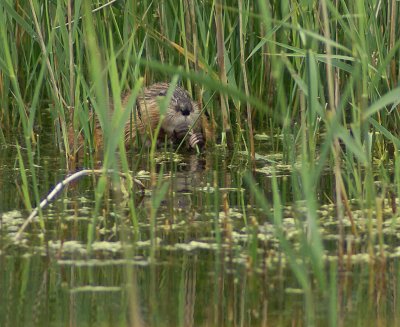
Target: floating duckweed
(195, 245)
(107, 246)
(85, 289)
(294, 290)
(68, 247)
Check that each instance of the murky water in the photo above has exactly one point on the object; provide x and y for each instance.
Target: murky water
(209, 256)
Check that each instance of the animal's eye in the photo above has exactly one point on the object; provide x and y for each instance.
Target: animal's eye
(162, 93)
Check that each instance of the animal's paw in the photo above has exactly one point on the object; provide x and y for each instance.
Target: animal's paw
(196, 139)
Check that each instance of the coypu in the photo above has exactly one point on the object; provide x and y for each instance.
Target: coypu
(182, 115)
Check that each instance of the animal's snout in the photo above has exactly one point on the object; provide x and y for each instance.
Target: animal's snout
(186, 109)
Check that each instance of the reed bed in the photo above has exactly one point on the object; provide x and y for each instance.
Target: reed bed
(322, 74)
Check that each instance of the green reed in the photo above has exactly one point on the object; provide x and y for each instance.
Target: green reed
(323, 74)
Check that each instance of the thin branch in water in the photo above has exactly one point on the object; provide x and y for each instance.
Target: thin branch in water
(60, 186)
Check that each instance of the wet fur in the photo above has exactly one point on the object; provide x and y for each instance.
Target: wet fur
(182, 113)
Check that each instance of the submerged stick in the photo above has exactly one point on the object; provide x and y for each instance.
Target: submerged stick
(58, 188)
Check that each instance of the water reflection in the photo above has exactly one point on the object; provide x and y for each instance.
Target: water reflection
(211, 258)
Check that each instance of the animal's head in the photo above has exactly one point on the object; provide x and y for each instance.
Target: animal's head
(182, 116)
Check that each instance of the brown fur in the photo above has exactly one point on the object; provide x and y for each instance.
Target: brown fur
(182, 113)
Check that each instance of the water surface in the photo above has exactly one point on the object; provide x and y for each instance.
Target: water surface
(208, 256)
